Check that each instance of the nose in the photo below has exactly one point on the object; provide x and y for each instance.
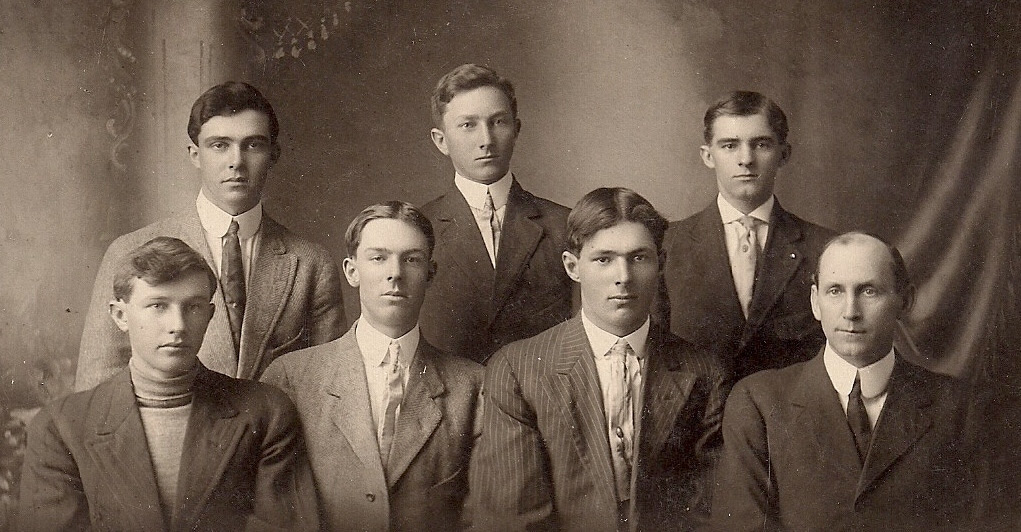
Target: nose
(851, 310)
(745, 155)
(173, 319)
(234, 156)
(485, 136)
(623, 272)
(395, 269)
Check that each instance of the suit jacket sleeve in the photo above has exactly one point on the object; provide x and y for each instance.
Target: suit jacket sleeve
(52, 496)
(509, 488)
(327, 320)
(104, 348)
(742, 499)
(285, 493)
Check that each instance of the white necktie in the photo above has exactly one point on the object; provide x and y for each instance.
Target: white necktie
(394, 394)
(747, 256)
(618, 413)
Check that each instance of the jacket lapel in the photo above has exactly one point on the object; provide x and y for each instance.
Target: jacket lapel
(574, 387)
(420, 413)
(120, 452)
(781, 259)
(272, 279)
(666, 391)
(457, 230)
(715, 280)
(209, 443)
(346, 402)
(904, 419)
(520, 235)
(217, 351)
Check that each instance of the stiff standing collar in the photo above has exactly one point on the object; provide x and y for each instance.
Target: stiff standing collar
(374, 344)
(874, 377)
(729, 213)
(601, 341)
(475, 193)
(216, 222)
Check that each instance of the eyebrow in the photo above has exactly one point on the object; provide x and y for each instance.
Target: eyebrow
(753, 139)
(242, 139)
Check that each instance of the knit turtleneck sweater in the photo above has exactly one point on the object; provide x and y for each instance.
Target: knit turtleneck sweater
(165, 406)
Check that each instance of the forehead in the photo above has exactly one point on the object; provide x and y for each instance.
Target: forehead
(623, 237)
(742, 127)
(392, 234)
(480, 101)
(247, 123)
(190, 285)
(859, 261)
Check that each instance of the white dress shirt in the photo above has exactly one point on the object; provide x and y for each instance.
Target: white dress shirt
(374, 346)
(215, 223)
(732, 223)
(874, 379)
(475, 194)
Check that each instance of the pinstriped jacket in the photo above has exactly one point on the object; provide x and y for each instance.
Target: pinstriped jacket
(543, 461)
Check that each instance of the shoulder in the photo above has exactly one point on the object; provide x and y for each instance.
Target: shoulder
(296, 244)
(941, 389)
(454, 370)
(814, 234)
(172, 227)
(688, 357)
(440, 205)
(539, 351)
(306, 364)
(770, 386)
(547, 208)
(249, 397)
(677, 230)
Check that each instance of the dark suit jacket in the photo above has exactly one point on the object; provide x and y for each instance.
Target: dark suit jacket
(294, 301)
(543, 461)
(243, 464)
(790, 462)
(426, 479)
(703, 304)
(471, 310)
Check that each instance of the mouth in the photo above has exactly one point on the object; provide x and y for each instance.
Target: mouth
(177, 346)
(395, 294)
(487, 158)
(623, 297)
(746, 177)
(236, 180)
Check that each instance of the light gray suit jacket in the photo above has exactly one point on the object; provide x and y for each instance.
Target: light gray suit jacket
(294, 301)
(425, 481)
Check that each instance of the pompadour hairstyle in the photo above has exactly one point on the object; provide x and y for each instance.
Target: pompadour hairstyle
(746, 103)
(227, 99)
(901, 277)
(465, 78)
(389, 210)
(606, 207)
(160, 260)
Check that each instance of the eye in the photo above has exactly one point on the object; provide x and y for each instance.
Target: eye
(870, 291)
(763, 144)
(466, 125)
(376, 258)
(257, 145)
(158, 306)
(218, 145)
(833, 291)
(728, 145)
(602, 260)
(641, 257)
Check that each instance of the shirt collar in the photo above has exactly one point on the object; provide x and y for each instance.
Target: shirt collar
(729, 213)
(216, 222)
(874, 377)
(601, 341)
(374, 344)
(475, 193)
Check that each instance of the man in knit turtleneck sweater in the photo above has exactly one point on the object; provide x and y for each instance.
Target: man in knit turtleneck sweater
(167, 444)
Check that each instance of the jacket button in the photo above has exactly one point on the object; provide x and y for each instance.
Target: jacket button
(370, 497)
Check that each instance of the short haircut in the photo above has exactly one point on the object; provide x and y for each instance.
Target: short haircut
(746, 103)
(465, 78)
(604, 208)
(901, 277)
(227, 99)
(160, 260)
(388, 210)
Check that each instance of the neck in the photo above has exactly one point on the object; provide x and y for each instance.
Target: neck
(392, 330)
(154, 389)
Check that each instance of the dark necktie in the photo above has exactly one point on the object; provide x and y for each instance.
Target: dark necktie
(858, 418)
(232, 278)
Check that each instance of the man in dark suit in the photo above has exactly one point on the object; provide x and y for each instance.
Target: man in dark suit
(738, 272)
(390, 421)
(856, 438)
(606, 421)
(497, 246)
(277, 292)
(166, 444)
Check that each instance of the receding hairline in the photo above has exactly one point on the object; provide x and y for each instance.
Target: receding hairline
(859, 237)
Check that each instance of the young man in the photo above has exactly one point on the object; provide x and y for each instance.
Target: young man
(856, 438)
(604, 422)
(390, 421)
(277, 292)
(166, 444)
(497, 246)
(738, 272)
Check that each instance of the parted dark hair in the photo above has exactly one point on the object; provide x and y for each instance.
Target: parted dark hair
(226, 99)
(390, 210)
(901, 277)
(606, 207)
(465, 78)
(746, 103)
(160, 260)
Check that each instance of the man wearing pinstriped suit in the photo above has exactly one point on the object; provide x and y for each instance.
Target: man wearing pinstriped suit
(577, 435)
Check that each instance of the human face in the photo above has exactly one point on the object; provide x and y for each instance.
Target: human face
(234, 155)
(478, 134)
(745, 154)
(617, 269)
(856, 302)
(391, 270)
(166, 322)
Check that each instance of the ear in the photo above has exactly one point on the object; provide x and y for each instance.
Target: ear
(274, 155)
(707, 156)
(193, 155)
(351, 272)
(517, 127)
(432, 271)
(119, 314)
(785, 154)
(814, 297)
(571, 266)
(909, 301)
(440, 140)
